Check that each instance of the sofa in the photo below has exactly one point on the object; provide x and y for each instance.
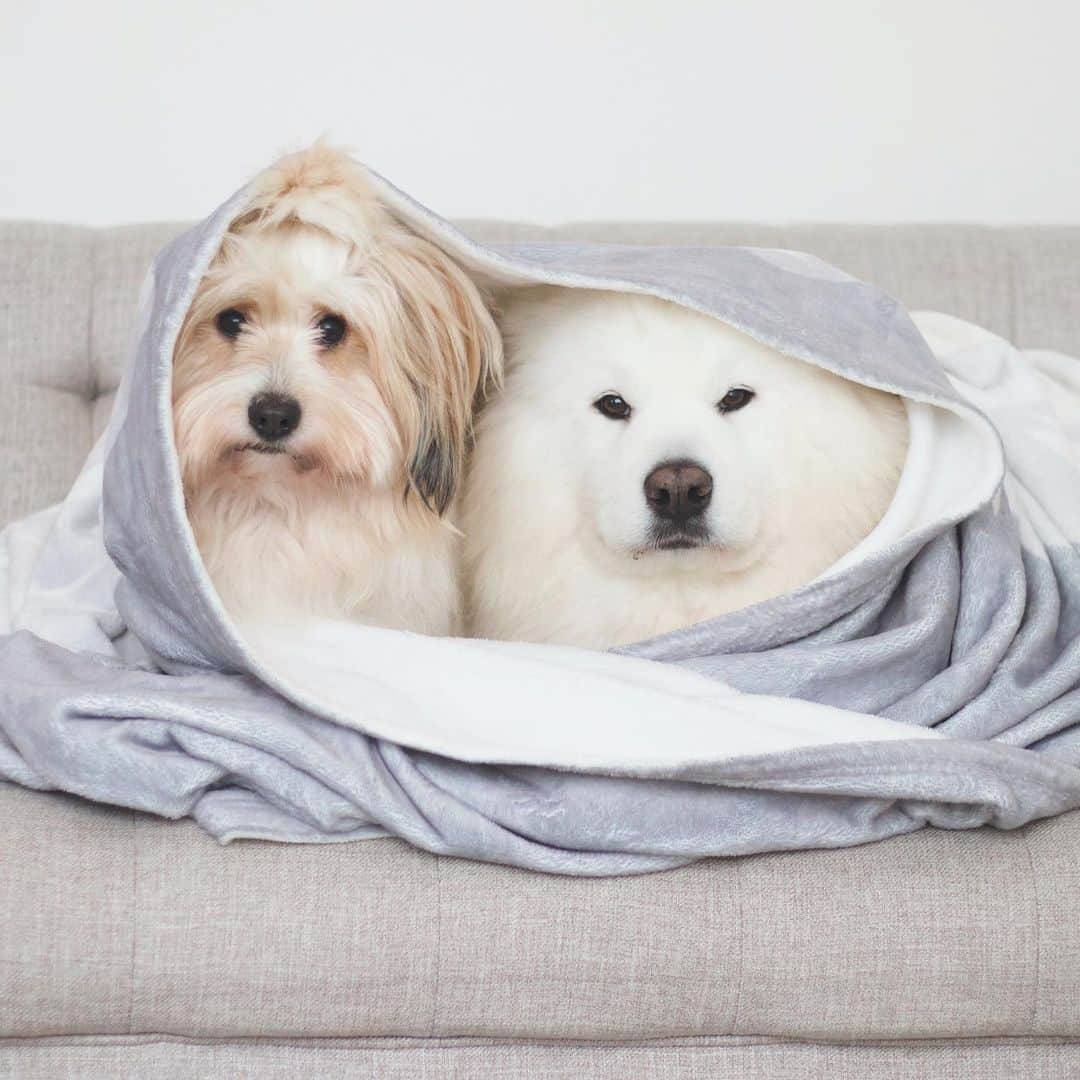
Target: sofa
(132, 946)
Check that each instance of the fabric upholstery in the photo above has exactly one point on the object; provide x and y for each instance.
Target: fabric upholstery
(124, 924)
(169, 1059)
(118, 924)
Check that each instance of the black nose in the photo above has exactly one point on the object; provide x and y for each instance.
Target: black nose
(273, 416)
(678, 490)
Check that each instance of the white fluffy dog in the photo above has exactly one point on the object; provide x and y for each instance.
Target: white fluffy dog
(323, 390)
(647, 467)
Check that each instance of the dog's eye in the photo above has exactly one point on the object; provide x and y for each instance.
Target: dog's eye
(613, 407)
(230, 322)
(331, 330)
(735, 399)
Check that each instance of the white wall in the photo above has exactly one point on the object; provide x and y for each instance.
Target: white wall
(886, 110)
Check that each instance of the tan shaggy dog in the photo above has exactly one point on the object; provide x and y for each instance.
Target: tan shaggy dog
(323, 389)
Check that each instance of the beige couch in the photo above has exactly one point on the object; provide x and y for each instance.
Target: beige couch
(134, 947)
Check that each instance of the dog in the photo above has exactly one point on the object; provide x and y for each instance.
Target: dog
(323, 387)
(647, 467)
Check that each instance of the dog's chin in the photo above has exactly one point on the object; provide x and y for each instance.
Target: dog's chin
(679, 542)
(273, 458)
(686, 537)
(259, 448)
(681, 549)
(287, 465)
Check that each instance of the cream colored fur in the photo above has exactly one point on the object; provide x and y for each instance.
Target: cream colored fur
(347, 521)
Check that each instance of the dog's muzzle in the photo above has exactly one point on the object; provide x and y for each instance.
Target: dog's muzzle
(678, 493)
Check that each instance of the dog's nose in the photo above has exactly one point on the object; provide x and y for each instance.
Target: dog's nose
(678, 490)
(273, 416)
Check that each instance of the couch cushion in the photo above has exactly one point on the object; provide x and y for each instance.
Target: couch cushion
(118, 923)
(45, 304)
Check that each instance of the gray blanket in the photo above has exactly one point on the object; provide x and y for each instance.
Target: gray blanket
(930, 678)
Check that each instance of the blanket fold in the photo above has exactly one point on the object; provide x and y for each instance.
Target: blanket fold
(931, 677)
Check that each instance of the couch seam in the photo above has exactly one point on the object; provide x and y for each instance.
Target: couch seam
(437, 975)
(1036, 988)
(385, 1043)
(134, 920)
(90, 389)
(741, 931)
(450, 1042)
(1014, 293)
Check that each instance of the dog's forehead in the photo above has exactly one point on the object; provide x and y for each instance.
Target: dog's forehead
(643, 344)
(294, 258)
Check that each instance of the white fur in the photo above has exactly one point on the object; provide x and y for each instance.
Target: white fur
(554, 513)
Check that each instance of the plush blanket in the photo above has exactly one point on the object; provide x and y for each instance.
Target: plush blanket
(931, 677)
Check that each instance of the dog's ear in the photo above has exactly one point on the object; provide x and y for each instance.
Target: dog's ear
(449, 352)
